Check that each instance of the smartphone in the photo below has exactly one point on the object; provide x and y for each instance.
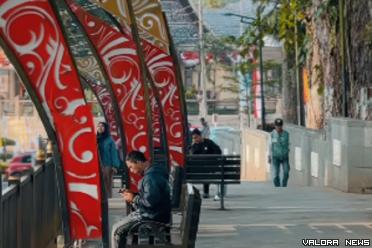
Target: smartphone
(122, 190)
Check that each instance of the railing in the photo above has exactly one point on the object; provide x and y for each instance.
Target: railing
(29, 210)
(17, 107)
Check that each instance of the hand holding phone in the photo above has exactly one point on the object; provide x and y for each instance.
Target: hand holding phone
(122, 190)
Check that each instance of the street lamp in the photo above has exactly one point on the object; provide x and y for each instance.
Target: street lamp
(250, 20)
(203, 107)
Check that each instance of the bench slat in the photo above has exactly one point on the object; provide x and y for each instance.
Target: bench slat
(231, 162)
(211, 177)
(210, 169)
(211, 165)
(194, 181)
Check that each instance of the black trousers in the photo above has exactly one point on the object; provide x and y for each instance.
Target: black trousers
(206, 190)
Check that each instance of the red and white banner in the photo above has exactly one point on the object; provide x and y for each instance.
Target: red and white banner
(256, 79)
(32, 33)
(118, 53)
(163, 73)
(155, 118)
(105, 100)
(192, 58)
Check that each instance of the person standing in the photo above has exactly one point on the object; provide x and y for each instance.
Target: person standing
(202, 145)
(279, 150)
(153, 201)
(206, 131)
(109, 156)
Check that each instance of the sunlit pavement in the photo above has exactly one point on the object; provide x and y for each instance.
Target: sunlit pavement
(259, 215)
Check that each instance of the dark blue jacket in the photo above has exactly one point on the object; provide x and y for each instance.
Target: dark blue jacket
(207, 146)
(153, 200)
(108, 152)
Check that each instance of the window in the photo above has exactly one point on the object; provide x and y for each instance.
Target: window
(26, 159)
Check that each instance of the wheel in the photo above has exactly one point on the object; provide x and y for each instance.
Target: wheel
(16, 174)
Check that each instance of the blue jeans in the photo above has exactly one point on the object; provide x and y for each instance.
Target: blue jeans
(276, 165)
(121, 228)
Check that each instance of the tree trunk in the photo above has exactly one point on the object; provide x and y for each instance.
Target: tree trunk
(359, 57)
(324, 67)
(289, 89)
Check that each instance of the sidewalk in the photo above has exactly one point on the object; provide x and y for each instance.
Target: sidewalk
(260, 216)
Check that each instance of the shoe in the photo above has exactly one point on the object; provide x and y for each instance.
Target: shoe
(205, 196)
(216, 198)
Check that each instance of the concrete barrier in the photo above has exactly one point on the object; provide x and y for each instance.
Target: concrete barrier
(254, 156)
(350, 167)
(306, 158)
(339, 156)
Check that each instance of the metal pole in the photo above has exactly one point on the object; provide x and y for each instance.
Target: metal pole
(203, 110)
(241, 108)
(247, 95)
(262, 79)
(241, 13)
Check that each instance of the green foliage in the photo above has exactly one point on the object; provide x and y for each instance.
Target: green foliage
(7, 142)
(214, 4)
(191, 93)
(367, 34)
(328, 8)
(281, 20)
(319, 72)
(218, 47)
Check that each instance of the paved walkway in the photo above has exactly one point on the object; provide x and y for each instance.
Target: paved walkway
(261, 216)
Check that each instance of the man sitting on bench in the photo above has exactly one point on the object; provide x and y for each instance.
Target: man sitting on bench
(202, 145)
(152, 203)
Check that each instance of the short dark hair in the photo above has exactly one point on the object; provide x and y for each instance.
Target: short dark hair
(196, 131)
(278, 122)
(136, 157)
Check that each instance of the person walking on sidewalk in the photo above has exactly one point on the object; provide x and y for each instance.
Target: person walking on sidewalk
(108, 154)
(206, 131)
(279, 150)
(152, 202)
(202, 145)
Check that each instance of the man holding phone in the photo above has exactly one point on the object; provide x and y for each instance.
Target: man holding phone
(152, 201)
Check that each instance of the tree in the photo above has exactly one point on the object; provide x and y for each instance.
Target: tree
(320, 35)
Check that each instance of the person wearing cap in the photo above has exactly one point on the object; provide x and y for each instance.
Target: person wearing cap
(279, 150)
(202, 145)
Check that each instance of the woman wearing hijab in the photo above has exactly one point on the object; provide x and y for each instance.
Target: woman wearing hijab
(108, 155)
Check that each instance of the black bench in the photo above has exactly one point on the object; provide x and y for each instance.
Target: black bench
(213, 169)
(149, 233)
(120, 175)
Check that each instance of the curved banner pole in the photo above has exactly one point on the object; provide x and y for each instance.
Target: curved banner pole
(161, 67)
(105, 100)
(31, 34)
(119, 9)
(121, 63)
(164, 74)
(176, 63)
